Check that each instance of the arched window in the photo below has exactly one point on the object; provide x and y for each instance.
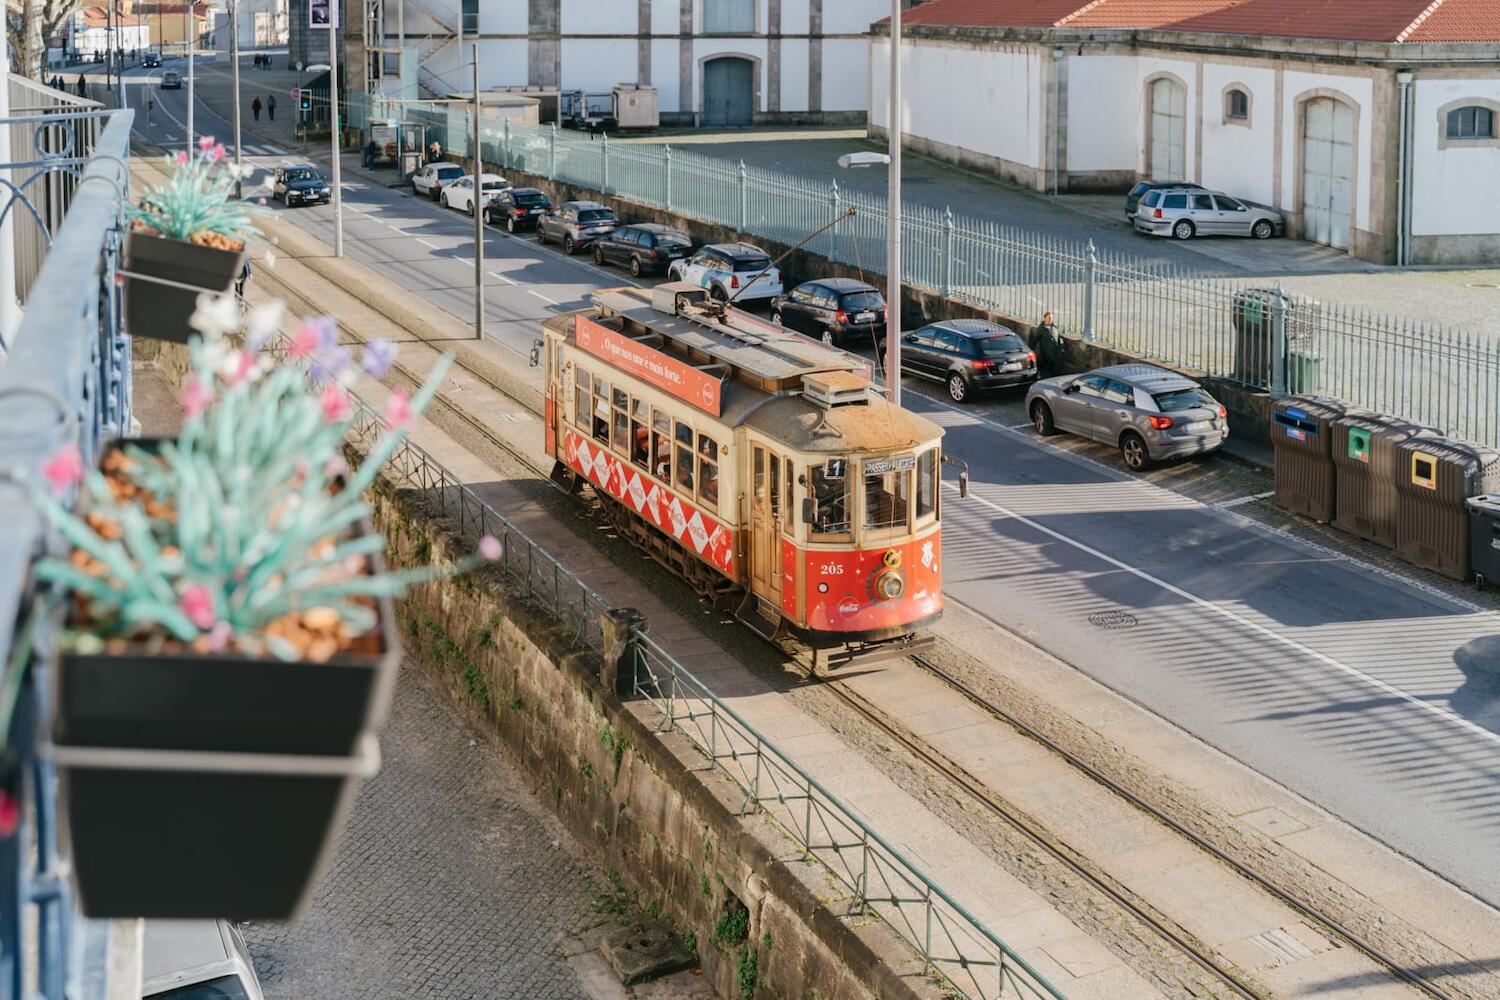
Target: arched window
(1471, 122)
(728, 17)
(1237, 105)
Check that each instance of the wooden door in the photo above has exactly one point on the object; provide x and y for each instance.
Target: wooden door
(765, 524)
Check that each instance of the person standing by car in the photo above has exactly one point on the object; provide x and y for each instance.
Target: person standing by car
(271, 106)
(1047, 343)
(255, 107)
(435, 152)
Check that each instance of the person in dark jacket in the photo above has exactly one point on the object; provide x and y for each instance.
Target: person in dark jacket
(1048, 344)
(371, 150)
(255, 107)
(271, 106)
(83, 87)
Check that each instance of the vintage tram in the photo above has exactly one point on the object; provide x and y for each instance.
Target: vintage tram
(758, 464)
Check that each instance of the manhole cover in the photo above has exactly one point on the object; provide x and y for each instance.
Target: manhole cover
(1112, 619)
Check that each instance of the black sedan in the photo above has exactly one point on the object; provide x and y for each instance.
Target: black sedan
(834, 310)
(644, 247)
(151, 60)
(300, 184)
(968, 355)
(517, 208)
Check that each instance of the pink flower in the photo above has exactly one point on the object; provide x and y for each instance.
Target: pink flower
(205, 142)
(336, 405)
(218, 637)
(260, 201)
(398, 413)
(489, 548)
(216, 153)
(180, 159)
(241, 364)
(197, 604)
(10, 814)
(304, 341)
(195, 398)
(64, 469)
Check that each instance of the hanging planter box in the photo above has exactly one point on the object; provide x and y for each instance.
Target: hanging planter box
(161, 311)
(170, 834)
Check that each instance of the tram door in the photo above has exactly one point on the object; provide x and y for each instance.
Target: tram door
(765, 524)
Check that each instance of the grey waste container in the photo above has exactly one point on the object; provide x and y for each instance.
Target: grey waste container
(1302, 438)
(1484, 537)
(1254, 320)
(1434, 478)
(1364, 462)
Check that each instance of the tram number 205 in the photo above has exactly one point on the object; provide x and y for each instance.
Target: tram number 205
(830, 569)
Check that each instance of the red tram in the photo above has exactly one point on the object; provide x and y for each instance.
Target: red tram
(758, 464)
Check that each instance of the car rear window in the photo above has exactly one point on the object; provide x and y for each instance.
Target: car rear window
(495, 185)
(1142, 186)
(751, 263)
(994, 347)
(1178, 400)
(449, 172)
(530, 198)
(1175, 201)
(596, 215)
(672, 240)
(1152, 199)
(861, 300)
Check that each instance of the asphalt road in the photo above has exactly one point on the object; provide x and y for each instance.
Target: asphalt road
(1373, 696)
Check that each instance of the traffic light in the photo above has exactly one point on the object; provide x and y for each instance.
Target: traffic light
(304, 101)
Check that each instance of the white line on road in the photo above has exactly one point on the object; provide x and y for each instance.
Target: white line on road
(502, 277)
(532, 291)
(1254, 626)
(427, 244)
(1241, 501)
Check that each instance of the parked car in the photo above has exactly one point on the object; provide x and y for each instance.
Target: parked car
(431, 179)
(833, 310)
(196, 960)
(1134, 196)
(460, 193)
(728, 270)
(643, 247)
(576, 224)
(968, 356)
(1147, 412)
(171, 80)
(1183, 213)
(151, 60)
(300, 184)
(517, 208)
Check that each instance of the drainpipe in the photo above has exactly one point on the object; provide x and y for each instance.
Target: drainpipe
(1403, 171)
(1057, 58)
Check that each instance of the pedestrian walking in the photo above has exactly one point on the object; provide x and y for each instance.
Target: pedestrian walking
(1048, 344)
(370, 150)
(239, 283)
(83, 87)
(271, 106)
(255, 107)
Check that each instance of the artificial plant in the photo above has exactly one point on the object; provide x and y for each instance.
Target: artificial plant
(197, 203)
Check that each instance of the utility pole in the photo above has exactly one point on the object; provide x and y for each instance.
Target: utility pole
(333, 125)
(893, 222)
(478, 204)
(234, 74)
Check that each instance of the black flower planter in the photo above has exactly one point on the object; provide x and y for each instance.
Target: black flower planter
(170, 834)
(160, 311)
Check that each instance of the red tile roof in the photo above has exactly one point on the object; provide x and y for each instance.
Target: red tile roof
(1345, 20)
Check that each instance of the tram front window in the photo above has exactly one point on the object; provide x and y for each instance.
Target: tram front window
(886, 495)
(927, 483)
(829, 485)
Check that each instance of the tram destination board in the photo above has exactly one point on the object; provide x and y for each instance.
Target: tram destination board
(894, 463)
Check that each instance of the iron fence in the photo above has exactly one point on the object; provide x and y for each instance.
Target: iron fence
(1430, 374)
(65, 378)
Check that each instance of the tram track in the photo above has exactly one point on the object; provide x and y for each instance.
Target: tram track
(1139, 910)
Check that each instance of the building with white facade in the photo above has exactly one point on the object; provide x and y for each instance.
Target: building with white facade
(713, 62)
(1372, 125)
(261, 23)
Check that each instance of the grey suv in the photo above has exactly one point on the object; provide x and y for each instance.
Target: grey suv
(1149, 413)
(576, 224)
(1183, 213)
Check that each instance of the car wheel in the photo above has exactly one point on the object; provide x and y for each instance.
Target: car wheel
(829, 338)
(1263, 230)
(510, 226)
(958, 389)
(718, 294)
(486, 217)
(598, 256)
(1041, 419)
(471, 210)
(569, 246)
(1133, 451)
(1183, 230)
(541, 234)
(635, 266)
(776, 318)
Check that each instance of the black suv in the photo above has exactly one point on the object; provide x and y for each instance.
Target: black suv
(151, 60)
(833, 310)
(1133, 199)
(517, 208)
(643, 247)
(968, 355)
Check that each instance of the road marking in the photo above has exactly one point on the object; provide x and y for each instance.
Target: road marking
(427, 244)
(1254, 626)
(532, 291)
(504, 278)
(1010, 427)
(1240, 501)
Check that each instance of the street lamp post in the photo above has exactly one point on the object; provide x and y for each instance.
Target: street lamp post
(333, 126)
(234, 74)
(893, 226)
(192, 44)
(478, 204)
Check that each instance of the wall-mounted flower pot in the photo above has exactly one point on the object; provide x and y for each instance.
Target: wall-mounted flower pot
(160, 311)
(172, 834)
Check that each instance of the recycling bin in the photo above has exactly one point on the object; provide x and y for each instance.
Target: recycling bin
(1301, 437)
(1254, 320)
(1303, 370)
(1364, 462)
(1434, 479)
(1484, 537)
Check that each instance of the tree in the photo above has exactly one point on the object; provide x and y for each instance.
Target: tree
(30, 26)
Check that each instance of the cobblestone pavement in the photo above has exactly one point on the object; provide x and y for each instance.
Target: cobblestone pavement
(451, 881)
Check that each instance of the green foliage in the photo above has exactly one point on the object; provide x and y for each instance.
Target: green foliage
(747, 972)
(615, 901)
(478, 685)
(585, 768)
(707, 886)
(615, 742)
(765, 940)
(733, 925)
(690, 940)
(198, 198)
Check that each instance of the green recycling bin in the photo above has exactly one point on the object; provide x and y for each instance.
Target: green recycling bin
(1364, 462)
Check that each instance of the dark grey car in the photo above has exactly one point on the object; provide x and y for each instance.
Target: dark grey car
(967, 356)
(576, 224)
(1147, 412)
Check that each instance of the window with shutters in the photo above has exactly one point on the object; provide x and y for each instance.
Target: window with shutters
(1468, 122)
(1471, 123)
(728, 17)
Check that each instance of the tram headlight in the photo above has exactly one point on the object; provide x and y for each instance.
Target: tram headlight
(889, 586)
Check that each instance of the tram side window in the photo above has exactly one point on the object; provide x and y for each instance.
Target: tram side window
(661, 445)
(927, 483)
(640, 435)
(622, 422)
(708, 472)
(885, 499)
(601, 411)
(685, 457)
(829, 483)
(581, 397)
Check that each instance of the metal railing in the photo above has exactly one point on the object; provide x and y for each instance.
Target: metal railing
(66, 377)
(956, 948)
(1431, 374)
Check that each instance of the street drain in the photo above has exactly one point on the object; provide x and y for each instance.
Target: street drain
(1112, 620)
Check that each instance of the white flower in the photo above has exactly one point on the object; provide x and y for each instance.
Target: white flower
(263, 322)
(215, 315)
(270, 259)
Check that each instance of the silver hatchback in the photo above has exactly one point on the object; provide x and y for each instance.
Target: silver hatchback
(1183, 213)
(1149, 413)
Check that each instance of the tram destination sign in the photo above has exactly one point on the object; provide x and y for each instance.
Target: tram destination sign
(893, 463)
(660, 369)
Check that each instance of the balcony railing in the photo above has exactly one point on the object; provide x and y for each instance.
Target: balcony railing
(65, 377)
